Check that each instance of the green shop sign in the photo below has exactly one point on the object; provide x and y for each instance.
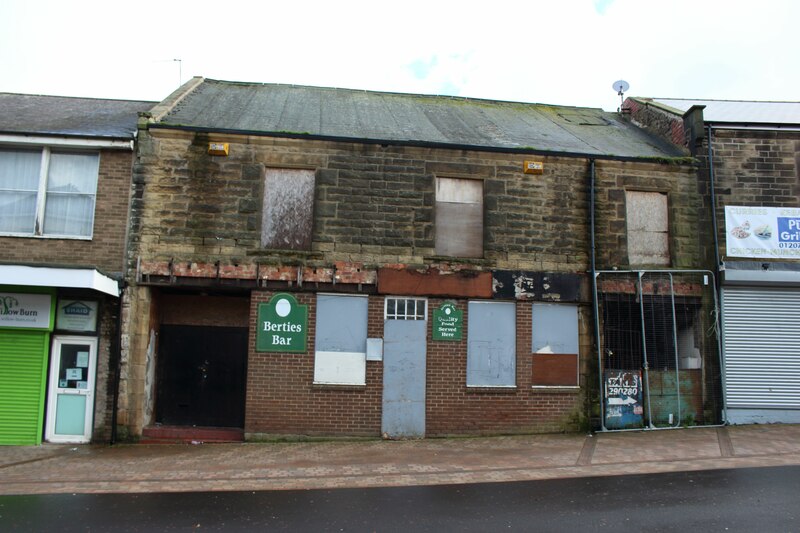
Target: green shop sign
(282, 325)
(447, 323)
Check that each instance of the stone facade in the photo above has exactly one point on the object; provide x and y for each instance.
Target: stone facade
(752, 166)
(375, 205)
(755, 168)
(196, 227)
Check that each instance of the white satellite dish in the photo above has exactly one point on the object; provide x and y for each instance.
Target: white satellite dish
(620, 86)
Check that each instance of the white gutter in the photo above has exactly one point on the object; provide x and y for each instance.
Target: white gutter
(69, 278)
(63, 141)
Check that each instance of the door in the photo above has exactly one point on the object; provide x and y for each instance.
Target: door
(201, 376)
(404, 379)
(70, 406)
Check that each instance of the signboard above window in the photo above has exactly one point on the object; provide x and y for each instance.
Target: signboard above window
(21, 310)
(762, 232)
(77, 315)
(282, 325)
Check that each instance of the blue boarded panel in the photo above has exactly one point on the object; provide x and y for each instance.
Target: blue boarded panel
(491, 348)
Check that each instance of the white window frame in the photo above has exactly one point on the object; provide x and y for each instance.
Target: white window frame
(405, 315)
(41, 194)
(338, 367)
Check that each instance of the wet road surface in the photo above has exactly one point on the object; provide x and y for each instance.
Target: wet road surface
(747, 499)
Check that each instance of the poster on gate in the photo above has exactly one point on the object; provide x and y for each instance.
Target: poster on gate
(622, 397)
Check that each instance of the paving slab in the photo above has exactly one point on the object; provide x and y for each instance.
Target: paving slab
(335, 464)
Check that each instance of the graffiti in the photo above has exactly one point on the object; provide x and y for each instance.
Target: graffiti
(623, 395)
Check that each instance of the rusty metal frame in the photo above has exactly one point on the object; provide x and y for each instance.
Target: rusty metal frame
(716, 315)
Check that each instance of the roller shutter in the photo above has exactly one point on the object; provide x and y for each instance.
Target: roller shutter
(762, 347)
(23, 374)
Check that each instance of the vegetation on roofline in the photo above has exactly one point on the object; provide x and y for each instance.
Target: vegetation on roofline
(676, 161)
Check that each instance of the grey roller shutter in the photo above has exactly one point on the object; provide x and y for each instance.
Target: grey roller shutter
(761, 330)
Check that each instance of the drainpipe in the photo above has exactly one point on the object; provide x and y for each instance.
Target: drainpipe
(117, 354)
(713, 203)
(594, 290)
(717, 272)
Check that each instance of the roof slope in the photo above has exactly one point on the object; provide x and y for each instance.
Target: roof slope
(736, 111)
(274, 109)
(61, 115)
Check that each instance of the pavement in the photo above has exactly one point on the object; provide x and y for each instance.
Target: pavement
(142, 468)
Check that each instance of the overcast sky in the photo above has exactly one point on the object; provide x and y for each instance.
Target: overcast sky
(565, 52)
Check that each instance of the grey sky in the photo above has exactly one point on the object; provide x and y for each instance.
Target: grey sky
(567, 52)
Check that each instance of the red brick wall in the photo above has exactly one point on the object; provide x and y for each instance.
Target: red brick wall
(106, 249)
(657, 120)
(282, 399)
(452, 408)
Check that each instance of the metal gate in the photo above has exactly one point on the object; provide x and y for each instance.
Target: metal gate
(658, 349)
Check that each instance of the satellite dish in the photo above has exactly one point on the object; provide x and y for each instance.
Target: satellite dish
(620, 86)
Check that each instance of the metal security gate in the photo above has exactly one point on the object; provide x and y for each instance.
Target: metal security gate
(658, 349)
(762, 353)
(23, 369)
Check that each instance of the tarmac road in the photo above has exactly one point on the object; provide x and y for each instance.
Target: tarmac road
(743, 499)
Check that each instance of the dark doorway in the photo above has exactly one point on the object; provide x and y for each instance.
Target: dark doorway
(201, 376)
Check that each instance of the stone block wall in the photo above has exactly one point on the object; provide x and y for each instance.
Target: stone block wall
(754, 167)
(375, 204)
(679, 182)
(751, 168)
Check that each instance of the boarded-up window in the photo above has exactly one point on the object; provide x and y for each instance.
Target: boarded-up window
(341, 340)
(459, 217)
(491, 350)
(648, 228)
(288, 215)
(554, 342)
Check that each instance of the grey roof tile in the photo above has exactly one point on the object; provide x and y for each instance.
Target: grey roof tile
(274, 109)
(60, 115)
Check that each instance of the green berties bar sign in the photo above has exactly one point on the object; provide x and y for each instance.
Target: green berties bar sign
(282, 325)
(447, 323)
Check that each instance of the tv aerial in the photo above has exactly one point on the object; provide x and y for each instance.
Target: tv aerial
(620, 86)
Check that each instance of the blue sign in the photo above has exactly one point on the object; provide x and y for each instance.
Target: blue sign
(623, 399)
(788, 229)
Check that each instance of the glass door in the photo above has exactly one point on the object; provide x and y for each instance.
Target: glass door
(73, 361)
